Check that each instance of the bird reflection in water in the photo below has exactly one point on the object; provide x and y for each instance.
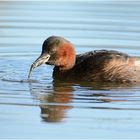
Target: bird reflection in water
(54, 103)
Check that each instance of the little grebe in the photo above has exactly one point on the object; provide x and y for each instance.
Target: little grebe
(102, 65)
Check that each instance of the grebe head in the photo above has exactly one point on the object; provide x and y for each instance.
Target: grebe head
(56, 51)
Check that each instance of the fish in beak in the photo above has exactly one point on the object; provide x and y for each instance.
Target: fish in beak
(42, 59)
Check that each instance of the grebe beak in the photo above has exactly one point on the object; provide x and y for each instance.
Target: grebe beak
(42, 59)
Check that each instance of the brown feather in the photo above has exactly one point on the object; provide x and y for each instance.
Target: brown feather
(101, 65)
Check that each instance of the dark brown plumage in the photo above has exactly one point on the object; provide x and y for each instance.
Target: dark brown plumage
(102, 65)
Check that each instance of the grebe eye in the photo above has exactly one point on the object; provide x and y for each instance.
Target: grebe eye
(52, 51)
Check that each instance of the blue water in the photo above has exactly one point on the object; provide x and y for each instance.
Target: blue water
(41, 108)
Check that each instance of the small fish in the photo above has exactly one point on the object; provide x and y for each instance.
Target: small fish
(30, 71)
(42, 59)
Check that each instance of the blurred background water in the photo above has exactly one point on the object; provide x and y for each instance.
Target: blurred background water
(42, 108)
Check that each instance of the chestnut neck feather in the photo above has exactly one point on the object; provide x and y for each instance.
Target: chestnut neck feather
(66, 56)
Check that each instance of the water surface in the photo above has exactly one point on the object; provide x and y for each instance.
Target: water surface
(43, 108)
